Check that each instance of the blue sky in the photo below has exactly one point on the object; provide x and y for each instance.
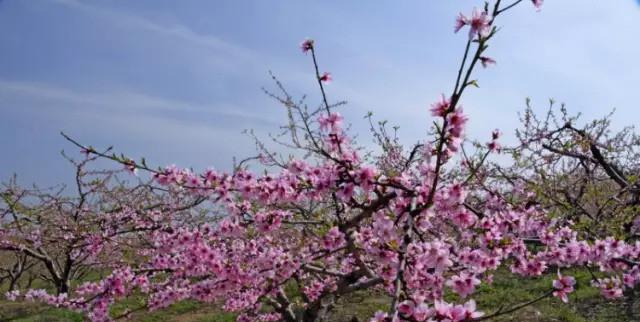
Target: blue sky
(177, 81)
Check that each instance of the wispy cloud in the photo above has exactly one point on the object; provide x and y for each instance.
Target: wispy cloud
(123, 104)
(177, 31)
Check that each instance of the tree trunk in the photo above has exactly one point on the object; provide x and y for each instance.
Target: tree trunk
(12, 284)
(62, 286)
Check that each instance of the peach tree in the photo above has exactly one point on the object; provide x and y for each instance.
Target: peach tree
(409, 224)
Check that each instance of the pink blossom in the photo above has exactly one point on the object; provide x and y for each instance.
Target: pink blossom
(422, 312)
(610, 288)
(479, 24)
(463, 284)
(471, 312)
(486, 61)
(406, 308)
(86, 152)
(314, 291)
(489, 279)
(441, 107)
(268, 221)
(563, 286)
(379, 316)
(12, 295)
(442, 309)
(453, 313)
(326, 77)
(630, 279)
(457, 120)
(131, 166)
(461, 21)
(306, 45)
(365, 178)
(537, 3)
(334, 239)
(297, 166)
(494, 145)
(331, 122)
(464, 218)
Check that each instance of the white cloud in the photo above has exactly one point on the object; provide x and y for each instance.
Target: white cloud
(177, 31)
(121, 103)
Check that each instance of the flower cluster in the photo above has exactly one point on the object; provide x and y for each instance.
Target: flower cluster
(479, 23)
(563, 286)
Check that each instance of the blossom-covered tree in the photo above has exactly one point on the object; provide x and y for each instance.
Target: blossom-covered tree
(413, 224)
(584, 173)
(66, 237)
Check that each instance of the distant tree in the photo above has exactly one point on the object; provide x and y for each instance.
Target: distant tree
(69, 236)
(585, 174)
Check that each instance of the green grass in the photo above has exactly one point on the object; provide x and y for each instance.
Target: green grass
(585, 303)
(30, 312)
(185, 311)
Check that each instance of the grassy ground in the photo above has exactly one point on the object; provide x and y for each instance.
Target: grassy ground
(180, 312)
(586, 305)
